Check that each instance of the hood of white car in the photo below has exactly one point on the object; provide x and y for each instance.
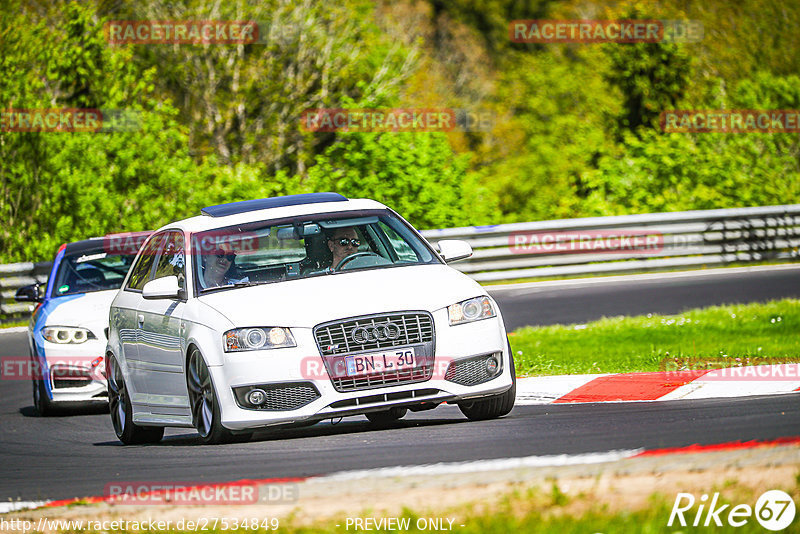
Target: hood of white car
(310, 301)
(87, 310)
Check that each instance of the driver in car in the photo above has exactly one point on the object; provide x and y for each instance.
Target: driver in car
(342, 243)
(219, 269)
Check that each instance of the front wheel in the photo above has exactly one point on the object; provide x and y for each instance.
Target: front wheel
(495, 406)
(41, 402)
(206, 415)
(119, 406)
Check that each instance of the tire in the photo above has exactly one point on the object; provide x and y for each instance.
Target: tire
(497, 405)
(386, 416)
(203, 401)
(41, 403)
(121, 410)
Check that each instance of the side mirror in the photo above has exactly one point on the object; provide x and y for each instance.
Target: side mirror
(454, 249)
(29, 293)
(163, 288)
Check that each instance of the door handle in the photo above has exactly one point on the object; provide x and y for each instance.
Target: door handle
(140, 319)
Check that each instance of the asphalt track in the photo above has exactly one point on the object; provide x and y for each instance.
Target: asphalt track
(77, 455)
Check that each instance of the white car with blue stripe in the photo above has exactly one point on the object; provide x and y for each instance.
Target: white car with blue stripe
(67, 333)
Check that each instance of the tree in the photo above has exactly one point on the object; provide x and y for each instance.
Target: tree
(680, 171)
(415, 173)
(244, 102)
(64, 186)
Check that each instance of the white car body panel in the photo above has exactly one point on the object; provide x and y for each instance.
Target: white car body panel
(86, 310)
(310, 301)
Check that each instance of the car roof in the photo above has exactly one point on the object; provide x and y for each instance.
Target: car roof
(97, 244)
(245, 206)
(93, 244)
(276, 208)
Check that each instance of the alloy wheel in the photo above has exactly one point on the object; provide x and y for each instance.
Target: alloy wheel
(201, 394)
(117, 396)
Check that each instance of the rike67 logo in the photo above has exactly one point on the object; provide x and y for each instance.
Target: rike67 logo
(774, 510)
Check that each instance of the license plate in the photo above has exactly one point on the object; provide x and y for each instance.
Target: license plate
(380, 362)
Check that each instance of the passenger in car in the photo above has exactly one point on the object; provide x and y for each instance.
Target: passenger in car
(219, 268)
(342, 243)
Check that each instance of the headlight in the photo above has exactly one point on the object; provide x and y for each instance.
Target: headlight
(265, 337)
(471, 310)
(66, 334)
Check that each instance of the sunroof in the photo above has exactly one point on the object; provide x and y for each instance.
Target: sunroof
(232, 208)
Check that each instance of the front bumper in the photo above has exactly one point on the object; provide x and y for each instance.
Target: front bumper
(296, 372)
(70, 375)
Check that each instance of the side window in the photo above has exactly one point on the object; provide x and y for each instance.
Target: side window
(171, 261)
(140, 272)
(402, 249)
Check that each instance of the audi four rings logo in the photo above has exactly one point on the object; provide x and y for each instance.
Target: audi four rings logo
(375, 332)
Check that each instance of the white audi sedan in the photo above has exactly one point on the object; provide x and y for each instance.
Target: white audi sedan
(297, 309)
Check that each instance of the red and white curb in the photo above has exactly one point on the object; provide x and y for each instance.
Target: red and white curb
(660, 386)
(478, 466)
(556, 460)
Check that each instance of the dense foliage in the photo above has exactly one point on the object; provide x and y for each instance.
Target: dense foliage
(574, 132)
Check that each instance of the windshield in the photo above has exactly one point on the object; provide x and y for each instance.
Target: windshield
(301, 247)
(89, 271)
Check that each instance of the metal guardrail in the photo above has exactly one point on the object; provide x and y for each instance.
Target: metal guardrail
(12, 277)
(626, 243)
(570, 247)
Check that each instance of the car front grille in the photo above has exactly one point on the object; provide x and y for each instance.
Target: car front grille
(472, 371)
(65, 377)
(280, 397)
(365, 334)
(337, 337)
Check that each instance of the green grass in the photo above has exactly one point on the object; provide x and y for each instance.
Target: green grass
(754, 333)
(14, 323)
